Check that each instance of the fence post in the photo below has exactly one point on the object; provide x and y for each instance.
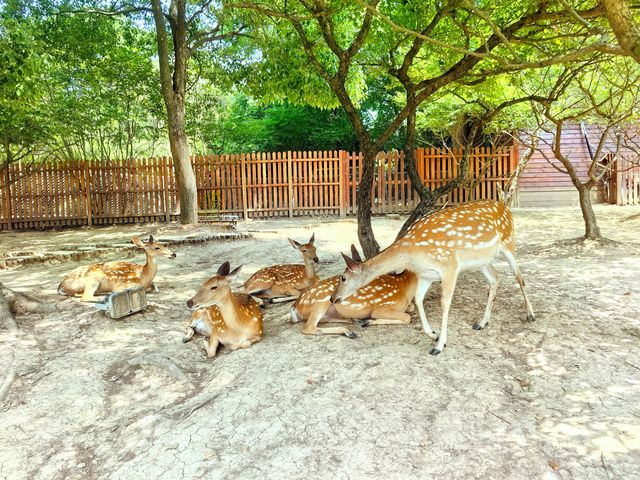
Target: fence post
(165, 193)
(87, 192)
(243, 175)
(290, 183)
(343, 177)
(7, 182)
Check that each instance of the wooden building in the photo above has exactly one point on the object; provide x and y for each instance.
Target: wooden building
(542, 185)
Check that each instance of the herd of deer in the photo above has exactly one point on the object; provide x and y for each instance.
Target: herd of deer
(377, 291)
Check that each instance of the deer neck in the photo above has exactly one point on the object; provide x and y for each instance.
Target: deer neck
(309, 268)
(148, 271)
(387, 261)
(229, 309)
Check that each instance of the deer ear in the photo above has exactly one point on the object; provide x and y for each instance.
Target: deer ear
(224, 269)
(150, 239)
(294, 244)
(313, 238)
(234, 273)
(137, 242)
(352, 265)
(355, 254)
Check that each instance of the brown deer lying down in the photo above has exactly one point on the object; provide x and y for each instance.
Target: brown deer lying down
(107, 277)
(385, 301)
(285, 282)
(232, 319)
(438, 247)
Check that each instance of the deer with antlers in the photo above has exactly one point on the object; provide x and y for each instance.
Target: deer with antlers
(106, 277)
(281, 283)
(438, 247)
(224, 317)
(384, 301)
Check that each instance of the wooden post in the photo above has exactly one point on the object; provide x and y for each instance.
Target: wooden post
(290, 183)
(9, 210)
(165, 196)
(87, 192)
(243, 173)
(343, 176)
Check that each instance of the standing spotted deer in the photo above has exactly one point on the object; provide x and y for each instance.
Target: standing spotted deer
(285, 282)
(107, 277)
(440, 246)
(229, 318)
(384, 301)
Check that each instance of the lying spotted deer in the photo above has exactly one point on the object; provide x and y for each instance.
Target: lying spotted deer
(107, 277)
(384, 301)
(438, 247)
(230, 318)
(281, 283)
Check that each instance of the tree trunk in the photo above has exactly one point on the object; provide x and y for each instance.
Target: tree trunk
(173, 87)
(591, 229)
(427, 199)
(185, 177)
(367, 239)
(627, 31)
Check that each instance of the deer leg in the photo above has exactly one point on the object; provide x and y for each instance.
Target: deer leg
(283, 299)
(421, 291)
(448, 286)
(188, 334)
(245, 343)
(492, 277)
(386, 316)
(90, 287)
(211, 345)
(311, 326)
(516, 271)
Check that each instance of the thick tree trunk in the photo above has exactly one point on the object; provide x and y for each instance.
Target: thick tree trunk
(363, 198)
(185, 177)
(173, 87)
(591, 229)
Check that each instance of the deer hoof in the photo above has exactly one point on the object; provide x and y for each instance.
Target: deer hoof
(363, 322)
(531, 318)
(435, 351)
(185, 339)
(477, 326)
(351, 335)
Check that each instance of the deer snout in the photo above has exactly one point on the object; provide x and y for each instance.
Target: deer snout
(173, 255)
(315, 259)
(190, 303)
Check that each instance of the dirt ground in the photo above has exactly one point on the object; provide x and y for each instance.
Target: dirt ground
(125, 399)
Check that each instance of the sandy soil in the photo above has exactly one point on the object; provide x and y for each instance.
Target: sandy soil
(554, 399)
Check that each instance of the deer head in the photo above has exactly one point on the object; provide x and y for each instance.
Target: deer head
(308, 250)
(216, 289)
(351, 279)
(152, 248)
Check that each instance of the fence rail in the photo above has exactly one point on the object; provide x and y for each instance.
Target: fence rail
(249, 185)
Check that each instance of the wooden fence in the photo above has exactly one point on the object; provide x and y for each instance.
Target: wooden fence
(249, 185)
(625, 183)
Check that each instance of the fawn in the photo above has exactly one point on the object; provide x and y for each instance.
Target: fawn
(229, 318)
(107, 277)
(384, 301)
(282, 283)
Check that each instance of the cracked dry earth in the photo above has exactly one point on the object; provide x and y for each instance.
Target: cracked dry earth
(555, 399)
